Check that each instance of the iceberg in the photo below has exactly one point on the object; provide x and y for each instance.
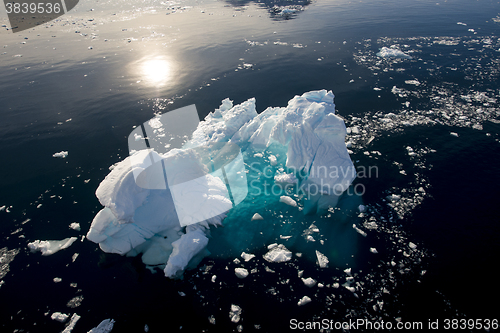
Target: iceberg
(179, 181)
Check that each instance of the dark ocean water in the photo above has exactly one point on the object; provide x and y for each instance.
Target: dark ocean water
(429, 124)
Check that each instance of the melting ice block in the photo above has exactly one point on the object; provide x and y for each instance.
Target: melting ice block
(161, 201)
(51, 246)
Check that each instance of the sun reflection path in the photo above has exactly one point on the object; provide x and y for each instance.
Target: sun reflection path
(156, 71)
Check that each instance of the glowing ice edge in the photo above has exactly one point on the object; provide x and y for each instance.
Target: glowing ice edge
(138, 221)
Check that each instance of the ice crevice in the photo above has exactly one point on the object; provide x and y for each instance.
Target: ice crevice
(146, 221)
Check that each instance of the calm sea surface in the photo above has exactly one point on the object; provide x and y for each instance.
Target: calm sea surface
(429, 122)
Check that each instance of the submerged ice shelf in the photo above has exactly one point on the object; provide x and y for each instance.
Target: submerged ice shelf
(305, 137)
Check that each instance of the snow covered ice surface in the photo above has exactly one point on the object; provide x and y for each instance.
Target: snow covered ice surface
(168, 221)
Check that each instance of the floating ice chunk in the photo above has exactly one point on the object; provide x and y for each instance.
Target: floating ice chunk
(60, 317)
(72, 322)
(241, 272)
(235, 313)
(322, 259)
(51, 246)
(310, 282)
(57, 279)
(61, 154)
(362, 208)
(278, 253)
(247, 256)
(75, 226)
(413, 246)
(392, 52)
(359, 231)
(414, 82)
(257, 216)
(104, 327)
(394, 197)
(304, 300)
(286, 178)
(185, 248)
(289, 201)
(454, 134)
(373, 250)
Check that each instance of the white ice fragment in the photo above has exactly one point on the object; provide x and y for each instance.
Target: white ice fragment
(392, 52)
(241, 272)
(286, 178)
(394, 197)
(304, 300)
(75, 226)
(373, 250)
(214, 277)
(184, 249)
(57, 279)
(273, 160)
(322, 259)
(413, 246)
(137, 137)
(61, 154)
(362, 208)
(359, 231)
(257, 216)
(51, 246)
(278, 253)
(287, 200)
(310, 282)
(104, 327)
(247, 256)
(60, 317)
(454, 134)
(235, 313)
(72, 323)
(348, 271)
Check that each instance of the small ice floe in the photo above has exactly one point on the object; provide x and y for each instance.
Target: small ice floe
(310, 282)
(57, 279)
(235, 313)
(247, 256)
(273, 160)
(393, 197)
(257, 216)
(72, 322)
(61, 154)
(60, 317)
(412, 245)
(373, 250)
(359, 231)
(287, 200)
(104, 327)
(414, 82)
(277, 253)
(75, 226)
(304, 300)
(362, 208)
(454, 134)
(51, 246)
(461, 23)
(322, 259)
(288, 178)
(392, 52)
(241, 273)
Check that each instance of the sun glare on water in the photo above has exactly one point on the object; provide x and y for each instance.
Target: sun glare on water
(156, 71)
